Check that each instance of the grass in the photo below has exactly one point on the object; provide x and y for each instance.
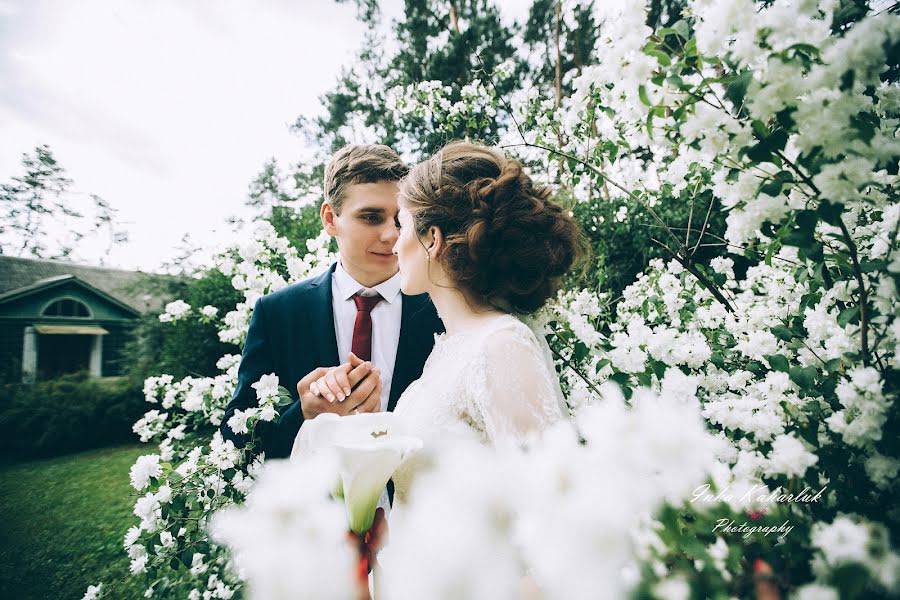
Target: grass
(62, 521)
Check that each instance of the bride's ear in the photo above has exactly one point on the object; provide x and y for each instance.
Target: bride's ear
(437, 242)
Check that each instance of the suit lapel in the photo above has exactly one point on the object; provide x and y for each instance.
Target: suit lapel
(322, 317)
(410, 352)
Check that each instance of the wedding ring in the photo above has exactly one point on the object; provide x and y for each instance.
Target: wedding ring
(354, 411)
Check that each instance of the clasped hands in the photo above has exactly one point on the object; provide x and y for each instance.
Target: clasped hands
(350, 388)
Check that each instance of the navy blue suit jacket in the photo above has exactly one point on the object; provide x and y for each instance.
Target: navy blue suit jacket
(292, 332)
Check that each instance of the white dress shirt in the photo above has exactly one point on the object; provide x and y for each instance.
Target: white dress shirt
(385, 322)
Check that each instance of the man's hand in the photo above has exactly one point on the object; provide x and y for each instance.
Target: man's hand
(362, 378)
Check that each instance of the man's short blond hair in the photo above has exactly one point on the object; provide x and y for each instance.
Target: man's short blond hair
(360, 163)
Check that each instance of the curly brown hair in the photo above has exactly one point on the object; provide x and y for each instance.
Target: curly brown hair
(505, 242)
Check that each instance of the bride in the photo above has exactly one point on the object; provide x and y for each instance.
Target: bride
(486, 243)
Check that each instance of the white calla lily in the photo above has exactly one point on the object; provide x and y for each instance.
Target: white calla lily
(370, 447)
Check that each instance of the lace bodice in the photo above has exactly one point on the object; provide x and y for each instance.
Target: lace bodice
(491, 384)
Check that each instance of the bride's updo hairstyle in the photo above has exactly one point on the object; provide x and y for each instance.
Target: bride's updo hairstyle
(505, 242)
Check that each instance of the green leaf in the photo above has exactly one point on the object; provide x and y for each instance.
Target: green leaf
(802, 235)
(851, 579)
(678, 82)
(661, 56)
(778, 362)
(805, 377)
(768, 229)
(866, 124)
(600, 364)
(622, 379)
(872, 266)
(810, 435)
(772, 187)
(759, 153)
(692, 547)
(847, 80)
(662, 32)
(830, 213)
(848, 315)
(690, 49)
(833, 365)
(782, 333)
(681, 28)
(785, 117)
(759, 129)
(764, 150)
(642, 94)
(659, 368)
(813, 251)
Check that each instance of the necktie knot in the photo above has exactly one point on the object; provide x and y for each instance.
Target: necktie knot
(366, 303)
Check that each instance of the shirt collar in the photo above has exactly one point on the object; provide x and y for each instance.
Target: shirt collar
(347, 286)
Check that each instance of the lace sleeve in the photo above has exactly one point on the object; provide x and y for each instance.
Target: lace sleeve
(512, 395)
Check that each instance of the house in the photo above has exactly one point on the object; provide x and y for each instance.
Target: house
(59, 317)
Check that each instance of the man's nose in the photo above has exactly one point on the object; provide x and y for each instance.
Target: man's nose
(389, 233)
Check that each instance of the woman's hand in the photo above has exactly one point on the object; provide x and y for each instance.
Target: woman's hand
(350, 388)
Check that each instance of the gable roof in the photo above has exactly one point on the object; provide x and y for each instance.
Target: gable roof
(124, 287)
(52, 282)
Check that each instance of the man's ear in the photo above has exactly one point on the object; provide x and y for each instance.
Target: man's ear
(327, 214)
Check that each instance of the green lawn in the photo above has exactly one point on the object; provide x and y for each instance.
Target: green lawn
(62, 521)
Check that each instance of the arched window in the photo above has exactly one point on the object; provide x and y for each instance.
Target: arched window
(67, 307)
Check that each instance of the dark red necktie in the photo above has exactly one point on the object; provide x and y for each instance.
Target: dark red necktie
(362, 328)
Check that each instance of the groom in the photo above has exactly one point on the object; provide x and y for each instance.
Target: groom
(356, 306)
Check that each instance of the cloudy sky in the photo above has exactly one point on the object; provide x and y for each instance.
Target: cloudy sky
(165, 108)
(168, 108)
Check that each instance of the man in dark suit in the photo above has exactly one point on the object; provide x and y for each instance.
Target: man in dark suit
(354, 311)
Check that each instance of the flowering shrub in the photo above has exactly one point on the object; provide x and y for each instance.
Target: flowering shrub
(191, 476)
(792, 126)
(789, 120)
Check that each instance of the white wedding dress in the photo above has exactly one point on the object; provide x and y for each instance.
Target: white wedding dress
(495, 384)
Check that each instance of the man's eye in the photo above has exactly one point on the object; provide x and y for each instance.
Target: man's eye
(397, 224)
(371, 218)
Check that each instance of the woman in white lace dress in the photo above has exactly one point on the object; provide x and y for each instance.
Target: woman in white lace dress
(477, 234)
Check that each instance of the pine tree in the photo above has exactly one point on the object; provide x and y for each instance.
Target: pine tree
(451, 41)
